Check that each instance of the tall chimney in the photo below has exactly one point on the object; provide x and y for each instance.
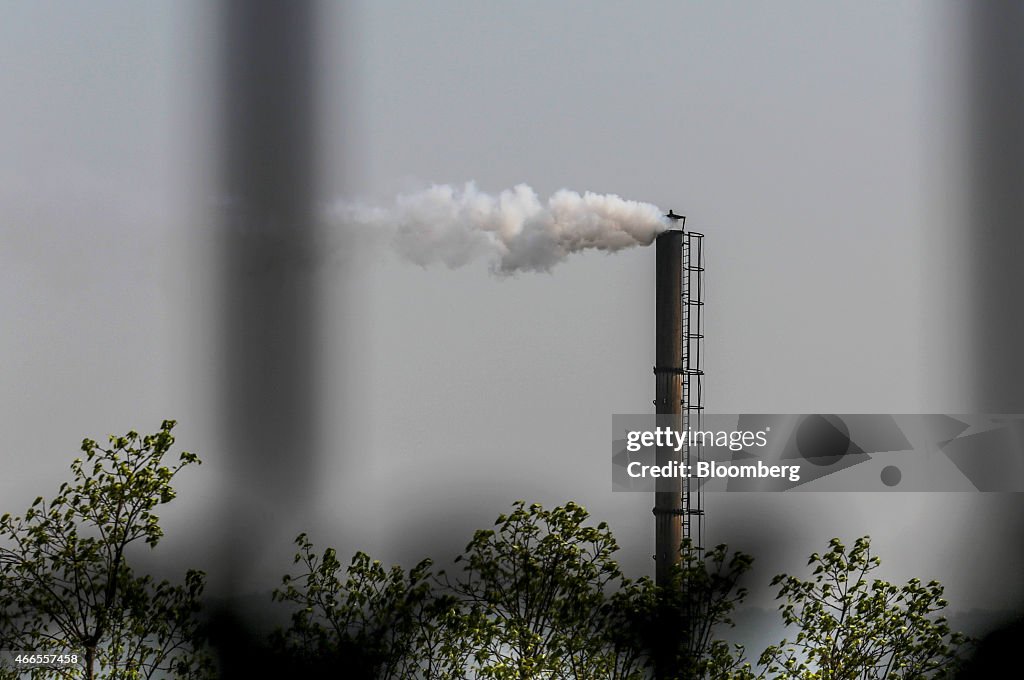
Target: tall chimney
(668, 373)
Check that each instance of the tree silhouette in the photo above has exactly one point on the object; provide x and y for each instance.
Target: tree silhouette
(537, 596)
(66, 584)
(852, 629)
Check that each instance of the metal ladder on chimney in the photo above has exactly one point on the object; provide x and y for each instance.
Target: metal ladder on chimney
(692, 288)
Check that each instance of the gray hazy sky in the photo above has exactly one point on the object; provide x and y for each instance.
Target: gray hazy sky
(815, 146)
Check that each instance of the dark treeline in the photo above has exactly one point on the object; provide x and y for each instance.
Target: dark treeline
(539, 594)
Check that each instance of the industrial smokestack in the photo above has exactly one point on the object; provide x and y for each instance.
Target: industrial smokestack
(668, 372)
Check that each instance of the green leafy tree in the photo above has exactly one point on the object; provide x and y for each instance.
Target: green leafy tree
(370, 621)
(537, 596)
(548, 600)
(850, 628)
(535, 592)
(677, 626)
(65, 578)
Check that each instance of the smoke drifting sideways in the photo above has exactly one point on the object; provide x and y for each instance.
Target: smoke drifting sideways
(514, 230)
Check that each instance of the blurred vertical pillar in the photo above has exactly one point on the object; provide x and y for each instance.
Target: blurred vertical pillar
(995, 242)
(996, 204)
(268, 354)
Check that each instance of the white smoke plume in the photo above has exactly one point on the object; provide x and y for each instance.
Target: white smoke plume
(514, 229)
